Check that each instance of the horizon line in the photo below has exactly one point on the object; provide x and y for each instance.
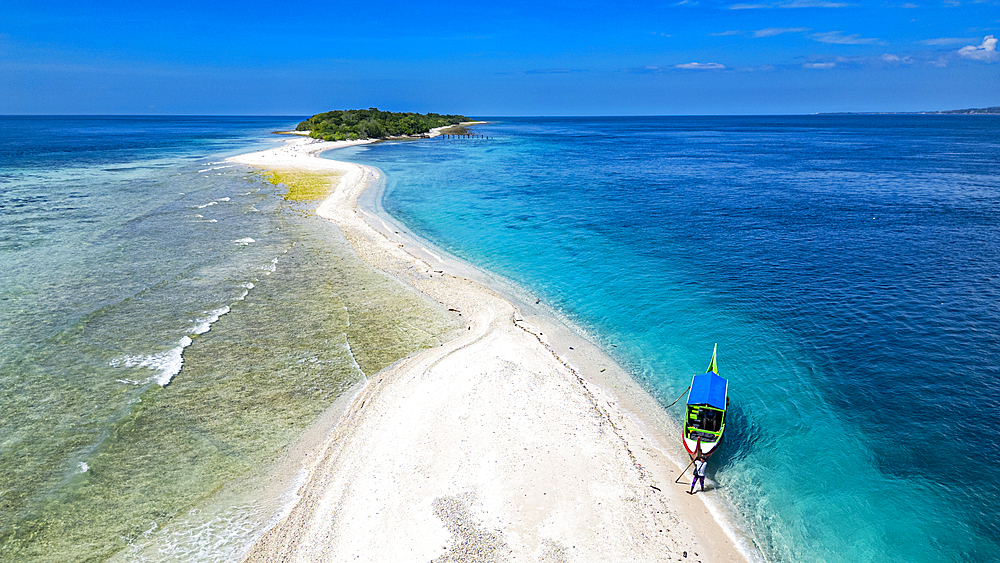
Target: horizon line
(297, 116)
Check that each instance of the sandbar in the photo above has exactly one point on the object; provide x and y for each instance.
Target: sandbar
(503, 444)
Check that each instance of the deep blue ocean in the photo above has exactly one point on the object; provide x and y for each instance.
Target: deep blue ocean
(847, 266)
(168, 321)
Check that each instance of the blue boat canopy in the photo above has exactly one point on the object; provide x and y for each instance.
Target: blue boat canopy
(708, 389)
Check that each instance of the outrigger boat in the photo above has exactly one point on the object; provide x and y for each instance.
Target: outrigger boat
(705, 420)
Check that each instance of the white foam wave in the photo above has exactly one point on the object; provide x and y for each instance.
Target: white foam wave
(126, 381)
(244, 241)
(83, 467)
(225, 199)
(350, 354)
(436, 257)
(205, 324)
(214, 167)
(213, 220)
(221, 534)
(207, 204)
(248, 286)
(168, 364)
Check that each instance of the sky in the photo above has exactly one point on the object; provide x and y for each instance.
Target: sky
(580, 57)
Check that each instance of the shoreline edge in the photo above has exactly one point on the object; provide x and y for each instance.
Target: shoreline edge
(500, 444)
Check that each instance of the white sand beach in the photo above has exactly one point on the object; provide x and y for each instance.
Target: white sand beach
(500, 445)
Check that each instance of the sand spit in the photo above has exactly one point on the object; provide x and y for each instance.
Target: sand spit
(491, 447)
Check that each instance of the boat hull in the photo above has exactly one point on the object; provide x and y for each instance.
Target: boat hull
(694, 446)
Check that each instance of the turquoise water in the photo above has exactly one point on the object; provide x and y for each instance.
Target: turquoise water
(169, 323)
(848, 267)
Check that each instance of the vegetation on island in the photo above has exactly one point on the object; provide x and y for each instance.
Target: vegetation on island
(372, 123)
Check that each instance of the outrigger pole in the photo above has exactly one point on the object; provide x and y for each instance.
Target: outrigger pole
(697, 448)
(678, 398)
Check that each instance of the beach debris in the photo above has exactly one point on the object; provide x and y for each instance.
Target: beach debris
(470, 540)
(655, 487)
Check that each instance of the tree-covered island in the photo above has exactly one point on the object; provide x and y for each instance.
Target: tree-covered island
(371, 123)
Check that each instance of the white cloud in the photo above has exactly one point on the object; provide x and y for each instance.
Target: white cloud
(814, 4)
(791, 4)
(553, 71)
(724, 33)
(883, 61)
(946, 41)
(985, 52)
(891, 58)
(771, 31)
(700, 66)
(839, 38)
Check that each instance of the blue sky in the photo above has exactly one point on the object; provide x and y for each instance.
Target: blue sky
(498, 58)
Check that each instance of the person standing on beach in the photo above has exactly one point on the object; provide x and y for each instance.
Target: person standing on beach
(699, 473)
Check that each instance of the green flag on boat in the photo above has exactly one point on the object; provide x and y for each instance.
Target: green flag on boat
(711, 366)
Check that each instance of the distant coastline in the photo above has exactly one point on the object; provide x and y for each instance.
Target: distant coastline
(995, 110)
